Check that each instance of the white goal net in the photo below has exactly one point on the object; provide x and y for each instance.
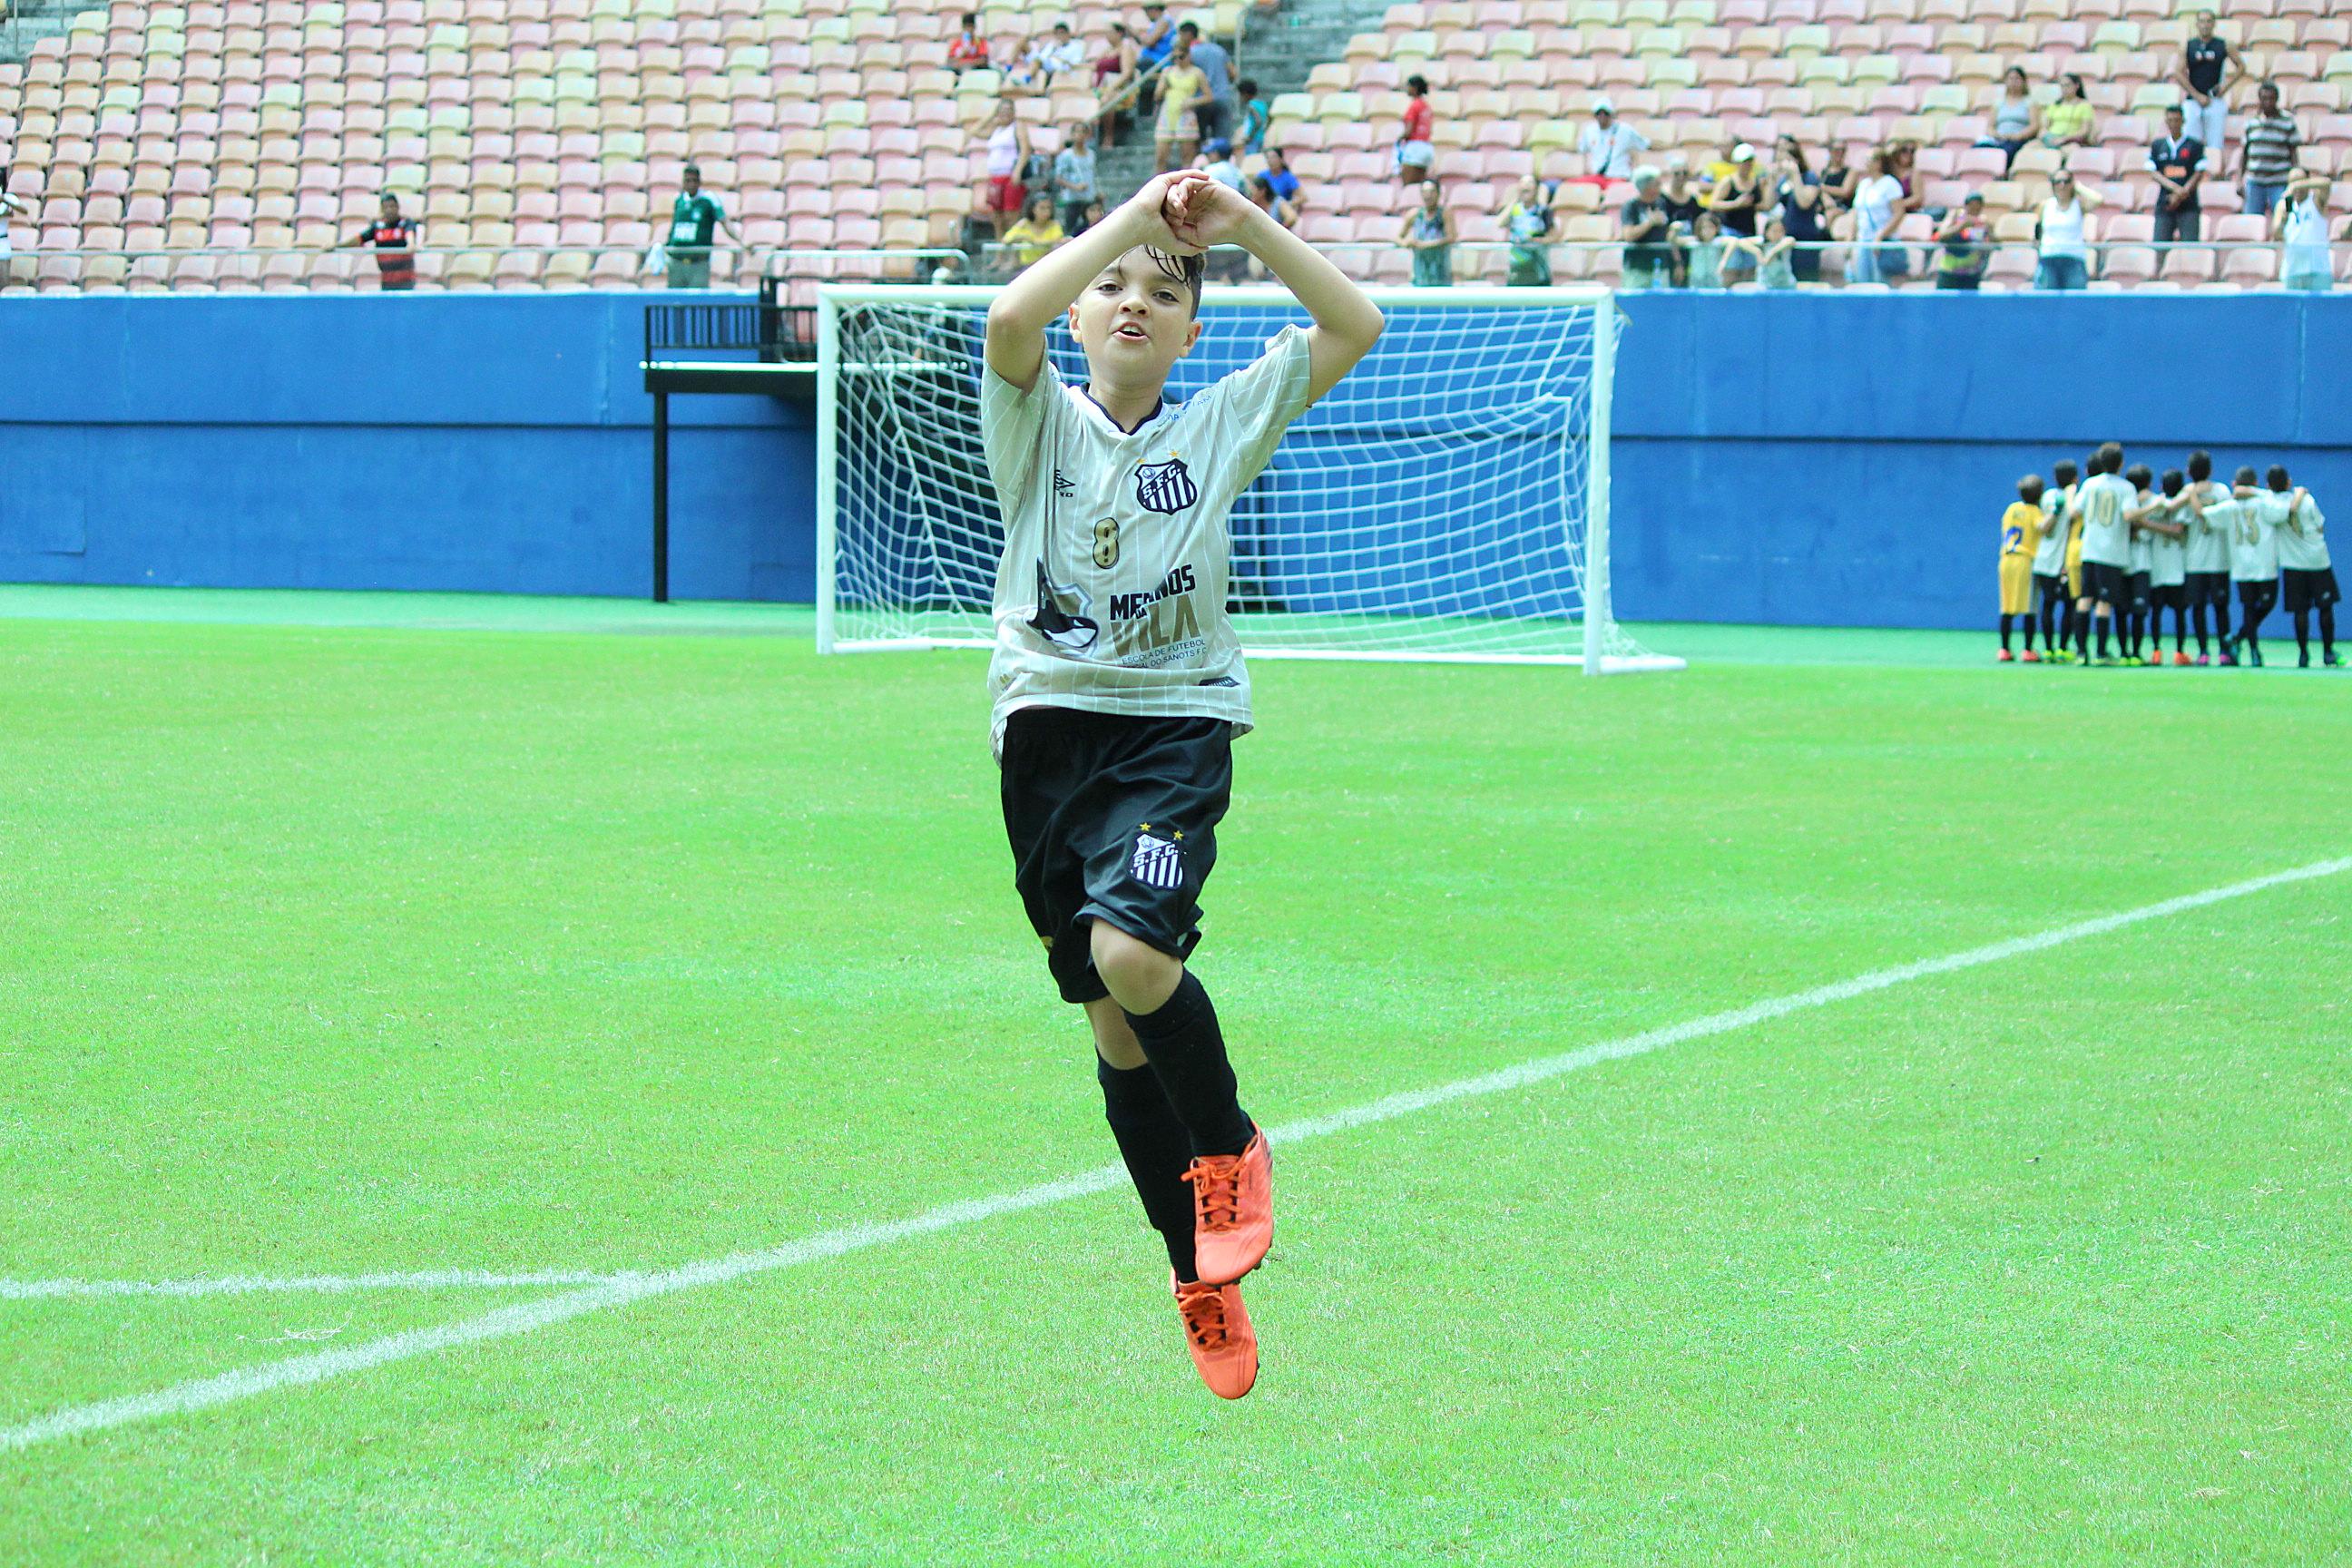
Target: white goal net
(1449, 499)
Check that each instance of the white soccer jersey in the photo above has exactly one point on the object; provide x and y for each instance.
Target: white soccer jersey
(2168, 555)
(2209, 537)
(1111, 595)
(2254, 540)
(2100, 503)
(2050, 554)
(2143, 543)
(2302, 537)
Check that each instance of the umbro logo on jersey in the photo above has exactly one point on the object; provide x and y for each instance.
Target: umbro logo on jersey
(1157, 863)
(1062, 486)
(1165, 487)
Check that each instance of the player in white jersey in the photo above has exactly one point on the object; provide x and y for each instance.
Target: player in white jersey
(2165, 525)
(2209, 557)
(1119, 683)
(2253, 563)
(2134, 610)
(2101, 502)
(2306, 576)
(2057, 596)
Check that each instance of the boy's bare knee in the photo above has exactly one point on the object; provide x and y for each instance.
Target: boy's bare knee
(1115, 1042)
(1140, 976)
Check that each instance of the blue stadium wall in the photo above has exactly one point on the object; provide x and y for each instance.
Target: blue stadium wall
(1798, 460)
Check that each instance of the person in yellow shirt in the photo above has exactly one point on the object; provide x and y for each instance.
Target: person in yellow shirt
(1037, 233)
(2020, 531)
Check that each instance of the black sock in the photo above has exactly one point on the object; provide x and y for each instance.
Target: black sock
(2250, 633)
(2004, 634)
(2202, 648)
(2083, 619)
(2100, 623)
(1156, 1149)
(1184, 1046)
(2025, 623)
(2326, 630)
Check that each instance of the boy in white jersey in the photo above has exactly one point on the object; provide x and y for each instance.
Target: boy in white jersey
(2254, 563)
(2306, 576)
(2135, 609)
(1119, 683)
(2208, 556)
(2050, 582)
(2167, 528)
(2101, 504)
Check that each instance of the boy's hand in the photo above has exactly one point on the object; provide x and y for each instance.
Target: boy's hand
(1209, 212)
(1160, 209)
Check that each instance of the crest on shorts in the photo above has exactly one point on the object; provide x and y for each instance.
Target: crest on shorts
(1157, 863)
(1165, 487)
(1061, 618)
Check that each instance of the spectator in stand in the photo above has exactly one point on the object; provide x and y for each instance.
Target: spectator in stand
(1415, 150)
(2266, 161)
(1879, 204)
(1839, 184)
(1683, 201)
(1005, 194)
(1093, 215)
(1035, 237)
(2209, 67)
(1703, 250)
(1214, 111)
(2180, 164)
(2300, 225)
(1217, 162)
(1256, 117)
(1769, 253)
(1526, 221)
(1270, 202)
(2068, 121)
(1114, 74)
(394, 239)
(1609, 146)
(2016, 117)
(1902, 162)
(1177, 135)
(1277, 171)
(1429, 235)
(1648, 235)
(693, 218)
(1158, 39)
(1734, 200)
(1797, 196)
(967, 50)
(9, 204)
(1074, 177)
(1965, 238)
(2061, 229)
(1050, 55)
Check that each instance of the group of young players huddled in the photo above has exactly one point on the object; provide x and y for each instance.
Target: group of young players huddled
(2084, 560)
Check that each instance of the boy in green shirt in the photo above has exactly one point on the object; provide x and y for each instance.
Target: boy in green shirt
(691, 219)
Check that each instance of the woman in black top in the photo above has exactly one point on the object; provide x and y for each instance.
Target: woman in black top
(1797, 190)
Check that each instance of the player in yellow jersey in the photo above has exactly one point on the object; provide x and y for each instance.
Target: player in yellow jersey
(2020, 531)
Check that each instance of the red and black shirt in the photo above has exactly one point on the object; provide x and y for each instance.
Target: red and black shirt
(396, 257)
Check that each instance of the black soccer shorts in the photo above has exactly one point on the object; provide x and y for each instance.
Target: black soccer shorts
(2302, 589)
(2208, 588)
(1112, 819)
(2258, 599)
(2106, 584)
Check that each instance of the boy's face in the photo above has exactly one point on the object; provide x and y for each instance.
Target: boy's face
(1134, 319)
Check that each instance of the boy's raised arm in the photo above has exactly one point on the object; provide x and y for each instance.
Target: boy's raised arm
(1015, 345)
(1347, 323)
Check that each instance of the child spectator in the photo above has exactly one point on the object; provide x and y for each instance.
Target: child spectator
(2300, 224)
(1415, 151)
(1429, 235)
(2207, 578)
(1003, 195)
(2168, 582)
(1256, 117)
(2016, 117)
(2019, 526)
(1035, 236)
(1609, 146)
(1180, 84)
(1648, 235)
(2061, 229)
(1088, 218)
(2180, 164)
(1770, 254)
(967, 50)
(1966, 238)
(2068, 121)
(2266, 161)
(1526, 221)
(2307, 577)
(1220, 165)
(2057, 574)
(1702, 251)
(2209, 67)
(1074, 175)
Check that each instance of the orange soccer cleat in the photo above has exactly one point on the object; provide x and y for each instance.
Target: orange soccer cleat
(1233, 1211)
(1217, 1329)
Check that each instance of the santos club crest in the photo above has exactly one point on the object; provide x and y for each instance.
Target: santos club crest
(1157, 863)
(1165, 487)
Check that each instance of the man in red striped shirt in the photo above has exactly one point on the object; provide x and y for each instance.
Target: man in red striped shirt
(394, 238)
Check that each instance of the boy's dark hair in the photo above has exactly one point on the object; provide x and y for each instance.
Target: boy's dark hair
(971, 19)
(2173, 482)
(2245, 474)
(2200, 466)
(1418, 86)
(2279, 481)
(1188, 31)
(2108, 458)
(2029, 488)
(2065, 472)
(1186, 269)
(1247, 87)
(2139, 476)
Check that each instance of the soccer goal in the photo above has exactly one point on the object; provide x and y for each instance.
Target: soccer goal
(1448, 500)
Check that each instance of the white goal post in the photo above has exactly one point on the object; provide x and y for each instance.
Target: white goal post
(1448, 500)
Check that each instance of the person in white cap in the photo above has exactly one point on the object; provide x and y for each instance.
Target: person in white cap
(1608, 145)
(1734, 201)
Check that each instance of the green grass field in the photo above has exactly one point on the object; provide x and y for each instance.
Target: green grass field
(343, 935)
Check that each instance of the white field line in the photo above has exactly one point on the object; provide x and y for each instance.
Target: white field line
(529, 1317)
(320, 1284)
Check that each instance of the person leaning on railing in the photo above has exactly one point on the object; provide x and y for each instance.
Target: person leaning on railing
(2061, 228)
(394, 239)
(2178, 160)
(1964, 245)
(2300, 225)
